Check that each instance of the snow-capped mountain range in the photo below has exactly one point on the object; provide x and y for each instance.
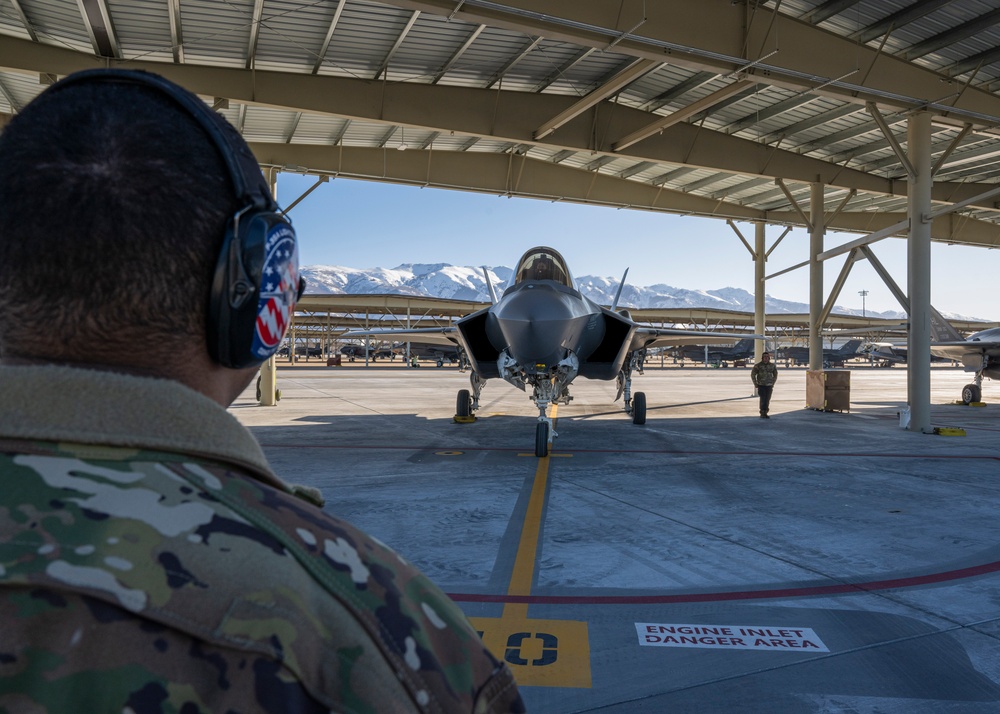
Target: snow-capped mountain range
(467, 283)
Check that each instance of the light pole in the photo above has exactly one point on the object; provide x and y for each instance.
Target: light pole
(863, 294)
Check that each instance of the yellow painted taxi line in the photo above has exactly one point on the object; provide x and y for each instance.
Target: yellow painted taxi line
(544, 653)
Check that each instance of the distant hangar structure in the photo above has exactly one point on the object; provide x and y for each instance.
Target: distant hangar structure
(321, 318)
(878, 117)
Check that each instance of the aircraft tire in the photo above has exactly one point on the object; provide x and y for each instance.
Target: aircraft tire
(258, 388)
(971, 393)
(463, 406)
(541, 439)
(639, 408)
(440, 363)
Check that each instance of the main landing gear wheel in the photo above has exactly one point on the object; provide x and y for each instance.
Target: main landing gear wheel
(972, 393)
(542, 439)
(639, 408)
(463, 406)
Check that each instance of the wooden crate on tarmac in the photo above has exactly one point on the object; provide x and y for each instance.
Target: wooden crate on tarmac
(828, 390)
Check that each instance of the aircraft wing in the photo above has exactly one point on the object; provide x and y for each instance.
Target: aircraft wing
(434, 335)
(646, 336)
(968, 352)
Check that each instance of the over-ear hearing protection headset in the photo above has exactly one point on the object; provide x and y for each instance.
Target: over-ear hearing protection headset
(256, 282)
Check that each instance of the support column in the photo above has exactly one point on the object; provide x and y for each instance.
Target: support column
(918, 273)
(759, 293)
(816, 233)
(269, 371)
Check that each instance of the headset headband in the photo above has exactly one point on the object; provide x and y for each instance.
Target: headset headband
(247, 180)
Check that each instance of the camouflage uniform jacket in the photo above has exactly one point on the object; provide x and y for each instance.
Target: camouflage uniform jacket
(150, 561)
(764, 374)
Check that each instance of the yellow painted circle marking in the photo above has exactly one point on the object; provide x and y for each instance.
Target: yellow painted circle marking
(448, 453)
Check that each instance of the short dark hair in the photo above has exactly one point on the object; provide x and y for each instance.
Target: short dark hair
(113, 207)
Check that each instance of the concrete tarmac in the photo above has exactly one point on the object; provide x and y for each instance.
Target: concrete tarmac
(707, 561)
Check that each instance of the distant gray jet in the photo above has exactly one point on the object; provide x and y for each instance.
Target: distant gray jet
(543, 333)
(979, 353)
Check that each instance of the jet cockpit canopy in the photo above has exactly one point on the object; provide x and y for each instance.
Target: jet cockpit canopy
(543, 264)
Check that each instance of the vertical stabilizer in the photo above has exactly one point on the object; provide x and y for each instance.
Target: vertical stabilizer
(618, 294)
(942, 330)
(850, 347)
(489, 284)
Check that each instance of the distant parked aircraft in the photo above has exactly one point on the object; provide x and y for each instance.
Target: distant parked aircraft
(800, 355)
(439, 353)
(353, 351)
(543, 333)
(716, 355)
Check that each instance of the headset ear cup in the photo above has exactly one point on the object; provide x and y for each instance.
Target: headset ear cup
(254, 289)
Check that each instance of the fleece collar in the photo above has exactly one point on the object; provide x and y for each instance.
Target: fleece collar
(69, 404)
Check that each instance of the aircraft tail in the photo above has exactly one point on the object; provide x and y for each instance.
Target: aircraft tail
(489, 284)
(614, 305)
(851, 347)
(942, 330)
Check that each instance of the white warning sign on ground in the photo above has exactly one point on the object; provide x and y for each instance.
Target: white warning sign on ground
(730, 637)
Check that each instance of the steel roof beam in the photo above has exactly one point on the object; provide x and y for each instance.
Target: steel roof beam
(701, 183)
(699, 79)
(751, 91)
(898, 19)
(768, 112)
(14, 104)
(490, 172)
(24, 20)
(671, 175)
(981, 59)
(101, 30)
(507, 116)
(949, 37)
(827, 10)
(740, 187)
(809, 56)
(502, 72)
(680, 115)
(395, 47)
(621, 80)
(806, 124)
(321, 55)
(258, 11)
(458, 53)
(566, 67)
(176, 33)
(636, 169)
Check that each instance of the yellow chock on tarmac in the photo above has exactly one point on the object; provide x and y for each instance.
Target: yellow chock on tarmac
(464, 419)
(970, 404)
(949, 431)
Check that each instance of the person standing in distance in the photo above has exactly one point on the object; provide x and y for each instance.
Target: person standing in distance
(150, 558)
(764, 374)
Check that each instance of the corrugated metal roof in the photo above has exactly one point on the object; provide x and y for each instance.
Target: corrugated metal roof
(427, 42)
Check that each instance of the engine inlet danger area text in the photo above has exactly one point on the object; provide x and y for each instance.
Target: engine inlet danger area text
(730, 637)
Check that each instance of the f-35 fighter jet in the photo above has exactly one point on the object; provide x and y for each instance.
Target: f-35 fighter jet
(542, 333)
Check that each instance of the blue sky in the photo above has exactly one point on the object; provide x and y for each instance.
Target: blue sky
(365, 224)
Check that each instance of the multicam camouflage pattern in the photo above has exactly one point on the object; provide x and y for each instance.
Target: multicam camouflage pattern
(139, 581)
(764, 374)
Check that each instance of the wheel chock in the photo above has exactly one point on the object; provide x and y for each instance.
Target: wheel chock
(464, 419)
(970, 404)
(949, 431)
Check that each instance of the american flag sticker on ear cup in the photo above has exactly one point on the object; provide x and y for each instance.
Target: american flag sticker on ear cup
(278, 290)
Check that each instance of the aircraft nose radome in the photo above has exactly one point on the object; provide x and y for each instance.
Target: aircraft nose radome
(537, 326)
